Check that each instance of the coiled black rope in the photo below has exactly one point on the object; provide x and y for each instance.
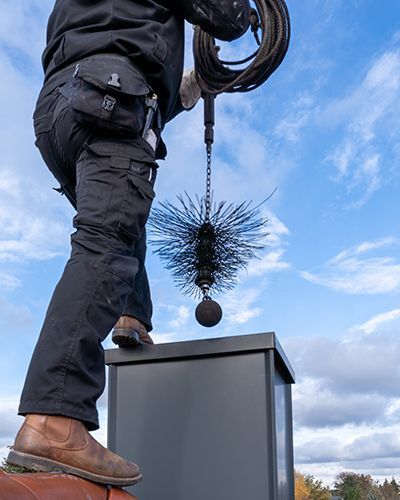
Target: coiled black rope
(270, 18)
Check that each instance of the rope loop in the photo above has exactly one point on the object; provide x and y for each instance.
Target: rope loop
(270, 18)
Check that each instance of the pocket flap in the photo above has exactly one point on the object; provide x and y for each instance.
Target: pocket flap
(116, 75)
(122, 149)
(143, 185)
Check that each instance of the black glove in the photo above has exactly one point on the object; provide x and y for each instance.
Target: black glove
(222, 19)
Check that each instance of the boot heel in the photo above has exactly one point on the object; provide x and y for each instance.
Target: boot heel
(125, 337)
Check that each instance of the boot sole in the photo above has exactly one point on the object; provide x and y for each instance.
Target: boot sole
(41, 464)
(125, 337)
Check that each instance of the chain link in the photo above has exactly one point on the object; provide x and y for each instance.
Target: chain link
(208, 184)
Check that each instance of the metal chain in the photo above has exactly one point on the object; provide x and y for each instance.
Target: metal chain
(208, 184)
(209, 122)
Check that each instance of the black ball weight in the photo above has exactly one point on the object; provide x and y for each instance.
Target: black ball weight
(208, 313)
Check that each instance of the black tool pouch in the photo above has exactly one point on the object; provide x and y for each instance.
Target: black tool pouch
(107, 94)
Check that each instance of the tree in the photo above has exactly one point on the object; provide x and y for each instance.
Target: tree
(317, 489)
(301, 490)
(375, 494)
(389, 491)
(352, 486)
(395, 486)
(309, 488)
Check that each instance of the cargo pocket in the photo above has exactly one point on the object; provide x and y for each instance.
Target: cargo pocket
(136, 210)
(118, 177)
(94, 189)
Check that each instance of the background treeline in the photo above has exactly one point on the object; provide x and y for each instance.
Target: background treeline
(348, 485)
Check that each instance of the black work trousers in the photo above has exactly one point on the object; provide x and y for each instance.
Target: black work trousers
(110, 181)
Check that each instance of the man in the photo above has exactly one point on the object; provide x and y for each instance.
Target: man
(113, 70)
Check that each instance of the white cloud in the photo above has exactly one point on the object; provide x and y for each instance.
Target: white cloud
(8, 281)
(277, 230)
(270, 262)
(367, 365)
(373, 245)
(239, 305)
(316, 405)
(368, 173)
(28, 18)
(10, 185)
(31, 235)
(369, 114)
(301, 111)
(342, 158)
(376, 322)
(346, 400)
(359, 445)
(165, 337)
(183, 315)
(34, 224)
(9, 423)
(354, 447)
(377, 445)
(247, 163)
(253, 164)
(350, 272)
(9, 418)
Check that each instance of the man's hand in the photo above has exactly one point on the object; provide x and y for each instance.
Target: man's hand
(222, 19)
(190, 91)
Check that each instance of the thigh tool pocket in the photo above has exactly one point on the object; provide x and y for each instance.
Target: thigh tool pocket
(107, 94)
(141, 176)
(117, 178)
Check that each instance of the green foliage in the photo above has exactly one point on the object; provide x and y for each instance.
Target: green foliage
(390, 490)
(316, 488)
(375, 494)
(352, 486)
(394, 486)
(348, 485)
(13, 469)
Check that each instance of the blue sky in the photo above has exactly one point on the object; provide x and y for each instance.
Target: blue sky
(325, 132)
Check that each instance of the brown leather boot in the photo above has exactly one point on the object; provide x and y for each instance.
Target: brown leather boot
(48, 443)
(130, 332)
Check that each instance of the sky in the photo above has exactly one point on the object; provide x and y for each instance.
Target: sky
(325, 132)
